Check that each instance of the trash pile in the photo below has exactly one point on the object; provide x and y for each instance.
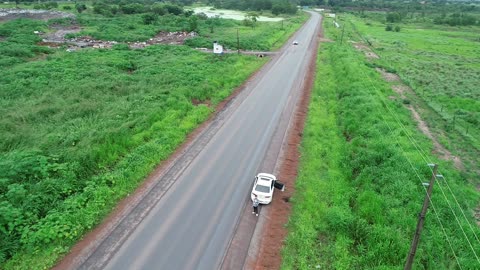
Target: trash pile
(171, 38)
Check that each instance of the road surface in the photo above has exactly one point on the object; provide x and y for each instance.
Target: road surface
(193, 220)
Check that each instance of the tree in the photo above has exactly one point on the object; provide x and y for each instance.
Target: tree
(251, 19)
(193, 24)
(393, 17)
(80, 7)
(149, 18)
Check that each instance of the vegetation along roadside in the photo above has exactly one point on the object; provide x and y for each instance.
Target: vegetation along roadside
(363, 161)
(80, 130)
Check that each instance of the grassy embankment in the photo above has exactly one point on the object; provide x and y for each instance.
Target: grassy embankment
(442, 65)
(79, 131)
(359, 189)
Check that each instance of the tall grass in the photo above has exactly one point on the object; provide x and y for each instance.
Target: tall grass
(359, 189)
(441, 64)
(18, 41)
(80, 130)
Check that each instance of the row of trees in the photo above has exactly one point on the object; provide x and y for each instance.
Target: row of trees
(107, 8)
(275, 6)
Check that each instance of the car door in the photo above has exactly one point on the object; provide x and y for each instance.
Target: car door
(279, 185)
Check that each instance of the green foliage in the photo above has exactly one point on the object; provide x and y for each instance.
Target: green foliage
(46, 5)
(358, 192)
(132, 8)
(19, 44)
(276, 6)
(80, 7)
(393, 17)
(61, 168)
(264, 36)
(455, 19)
(451, 57)
(149, 18)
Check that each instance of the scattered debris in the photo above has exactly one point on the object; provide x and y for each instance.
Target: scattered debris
(172, 38)
(57, 38)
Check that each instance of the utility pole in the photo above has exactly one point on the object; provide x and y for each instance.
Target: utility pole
(343, 30)
(238, 43)
(421, 219)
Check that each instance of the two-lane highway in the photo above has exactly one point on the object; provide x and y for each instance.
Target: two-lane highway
(191, 225)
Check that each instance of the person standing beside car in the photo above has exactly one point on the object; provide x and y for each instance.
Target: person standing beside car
(256, 202)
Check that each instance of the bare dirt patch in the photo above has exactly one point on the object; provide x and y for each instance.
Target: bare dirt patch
(172, 38)
(7, 14)
(401, 89)
(366, 50)
(325, 40)
(59, 33)
(438, 149)
(197, 102)
(387, 76)
(57, 38)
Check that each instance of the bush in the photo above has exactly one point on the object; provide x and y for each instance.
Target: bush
(80, 7)
(173, 9)
(159, 9)
(132, 8)
(397, 28)
(67, 7)
(50, 5)
(389, 28)
(393, 17)
(149, 18)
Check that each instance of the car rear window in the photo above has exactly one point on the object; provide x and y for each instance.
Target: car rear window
(264, 189)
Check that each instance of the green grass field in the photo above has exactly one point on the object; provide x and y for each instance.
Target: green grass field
(442, 65)
(79, 131)
(359, 189)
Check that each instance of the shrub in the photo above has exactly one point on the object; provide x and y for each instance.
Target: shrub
(149, 18)
(132, 8)
(389, 28)
(80, 7)
(159, 9)
(173, 9)
(50, 5)
(393, 17)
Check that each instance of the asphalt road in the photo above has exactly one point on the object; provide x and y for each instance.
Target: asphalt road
(192, 224)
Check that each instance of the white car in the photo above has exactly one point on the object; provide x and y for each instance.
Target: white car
(263, 188)
(295, 42)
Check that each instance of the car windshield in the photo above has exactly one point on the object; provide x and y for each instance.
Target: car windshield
(263, 189)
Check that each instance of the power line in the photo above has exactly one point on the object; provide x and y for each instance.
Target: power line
(422, 154)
